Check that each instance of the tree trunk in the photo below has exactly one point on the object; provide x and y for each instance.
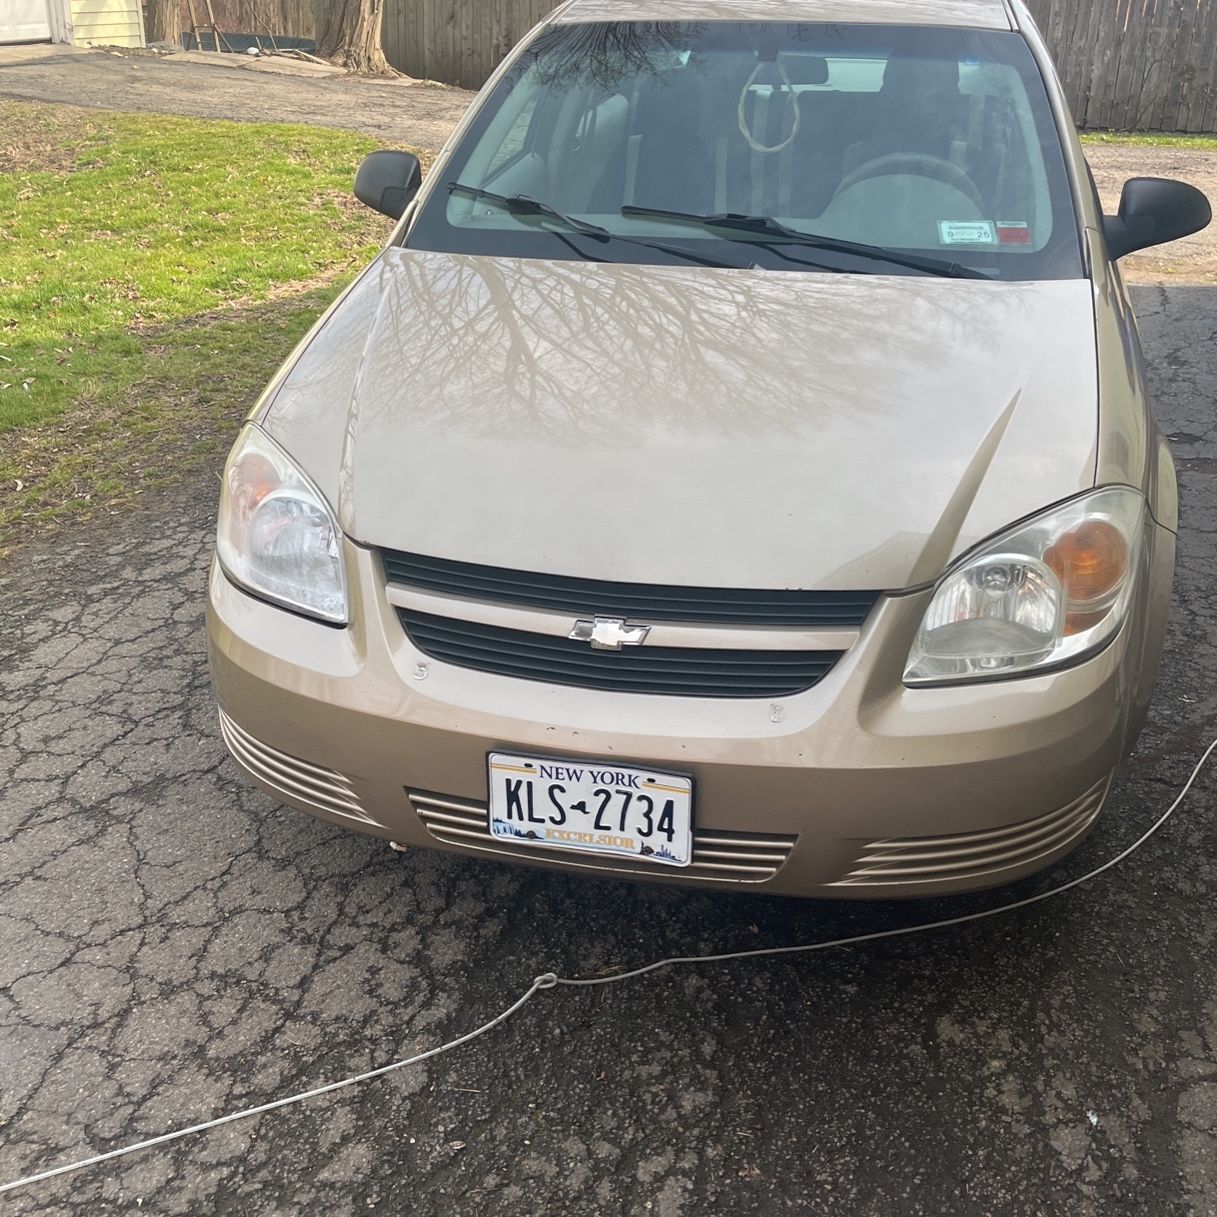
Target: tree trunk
(349, 34)
(164, 19)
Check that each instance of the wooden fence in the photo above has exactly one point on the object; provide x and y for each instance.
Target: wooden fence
(1128, 65)
(1135, 65)
(457, 41)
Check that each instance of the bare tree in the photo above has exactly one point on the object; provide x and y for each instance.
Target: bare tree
(348, 32)
(164, 20)
(292, 17)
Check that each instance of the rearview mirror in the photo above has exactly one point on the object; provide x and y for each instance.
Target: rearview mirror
(388, 181)
(1154, 210)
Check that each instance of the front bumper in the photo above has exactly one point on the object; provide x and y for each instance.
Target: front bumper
(858, 787)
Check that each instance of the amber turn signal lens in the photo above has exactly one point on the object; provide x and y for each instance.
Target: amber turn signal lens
(1090, 561)
(254, 478)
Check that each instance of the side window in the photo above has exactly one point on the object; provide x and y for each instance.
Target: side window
(510, 158)
(1000, 150)
(598, 141)
(515, 139)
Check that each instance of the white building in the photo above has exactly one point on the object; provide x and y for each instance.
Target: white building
(82, 22)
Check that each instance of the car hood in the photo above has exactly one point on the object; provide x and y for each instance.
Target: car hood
(734, 428)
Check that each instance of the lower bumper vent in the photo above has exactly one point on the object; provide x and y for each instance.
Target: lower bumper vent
(726, 857)
(913, 860)
(298, 783)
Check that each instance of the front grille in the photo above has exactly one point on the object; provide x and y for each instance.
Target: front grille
(723, 857)
(665, 671)
(913, 860)
(646, 602)
(298, 783)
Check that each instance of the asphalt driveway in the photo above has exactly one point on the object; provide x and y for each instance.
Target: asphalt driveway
(176, 946)
(421, 115)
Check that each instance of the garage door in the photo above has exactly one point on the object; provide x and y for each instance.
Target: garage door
(24, 21)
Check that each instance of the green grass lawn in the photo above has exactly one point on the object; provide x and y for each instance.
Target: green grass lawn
(1150, 139)
(153, 271)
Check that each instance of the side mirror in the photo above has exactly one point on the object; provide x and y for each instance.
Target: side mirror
(1154, 210)
(388, 181)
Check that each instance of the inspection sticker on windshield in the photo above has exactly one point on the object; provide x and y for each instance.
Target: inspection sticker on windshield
(967, 232)
(592, 808)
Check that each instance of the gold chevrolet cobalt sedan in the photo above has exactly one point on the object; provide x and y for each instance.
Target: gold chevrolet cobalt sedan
(736, 469)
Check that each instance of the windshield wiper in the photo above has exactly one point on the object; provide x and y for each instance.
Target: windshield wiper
(522, 205)
(767, 226)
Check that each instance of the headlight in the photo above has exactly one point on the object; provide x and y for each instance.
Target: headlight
(1047, 593)
(277, 536)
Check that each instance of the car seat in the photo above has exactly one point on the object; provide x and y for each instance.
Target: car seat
(919, 109)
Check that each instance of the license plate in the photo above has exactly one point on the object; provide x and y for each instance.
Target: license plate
(592, 807)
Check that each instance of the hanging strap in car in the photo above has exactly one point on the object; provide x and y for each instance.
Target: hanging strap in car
(760, 158)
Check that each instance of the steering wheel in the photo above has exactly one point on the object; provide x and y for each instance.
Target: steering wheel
(914, 164)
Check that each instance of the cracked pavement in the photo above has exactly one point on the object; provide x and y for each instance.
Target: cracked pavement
(176, 946)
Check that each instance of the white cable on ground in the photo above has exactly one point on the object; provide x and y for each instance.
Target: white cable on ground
(549, 980)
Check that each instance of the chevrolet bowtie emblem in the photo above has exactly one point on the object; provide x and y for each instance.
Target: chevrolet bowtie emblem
(610, 633)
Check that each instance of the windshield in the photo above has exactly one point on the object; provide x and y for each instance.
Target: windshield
(938, 143)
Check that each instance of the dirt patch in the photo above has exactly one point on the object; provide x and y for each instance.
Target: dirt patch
(1193, 259)
(55, 144)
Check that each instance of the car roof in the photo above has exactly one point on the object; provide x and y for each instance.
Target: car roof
(973, 14)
